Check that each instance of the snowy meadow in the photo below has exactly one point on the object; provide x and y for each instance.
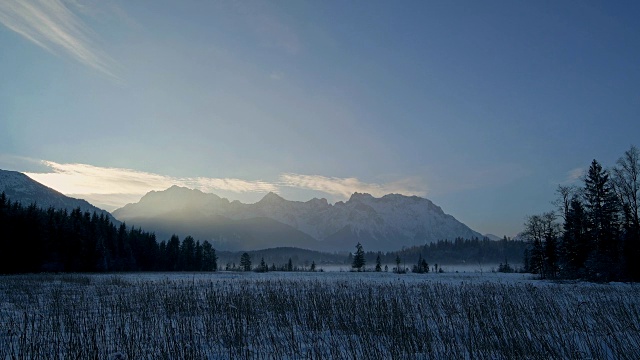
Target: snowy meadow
(327, 315)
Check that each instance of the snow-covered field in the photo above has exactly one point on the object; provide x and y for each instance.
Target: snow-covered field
(322, 315)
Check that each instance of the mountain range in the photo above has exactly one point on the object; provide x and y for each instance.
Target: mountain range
(21, 188)
(387, 223)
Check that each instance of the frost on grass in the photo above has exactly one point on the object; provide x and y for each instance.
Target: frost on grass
(320, 316)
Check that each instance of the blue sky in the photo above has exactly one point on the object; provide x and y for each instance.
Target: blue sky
(484, 107)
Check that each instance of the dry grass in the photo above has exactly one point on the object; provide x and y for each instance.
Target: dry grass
(86, 317)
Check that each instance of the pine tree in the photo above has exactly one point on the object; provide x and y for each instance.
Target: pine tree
(245, 262)
(378, 264)
(421, 267)
(209, 257)
(199, 256)
(173, 253)
(187, 254)
(358, 258)
(602, 220)
(575, 247)
(398, 270)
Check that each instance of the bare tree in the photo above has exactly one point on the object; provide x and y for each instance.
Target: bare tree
(627, 184)
(565, 194)
(542, 232)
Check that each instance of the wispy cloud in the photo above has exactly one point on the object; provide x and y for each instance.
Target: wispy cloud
(54, 26)
(276, 75)
(88, 179)
(111, 188)
(574, 175)
(344, 187)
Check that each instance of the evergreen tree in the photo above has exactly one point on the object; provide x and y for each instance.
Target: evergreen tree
(421, 267)
(602, 220)
(575, 247)
(163, 263)
(245, 262)
(358, 258)
(378, 264)
(263, 266)
(187, 254)
(173, 253)
(209, 257)
(199, 255)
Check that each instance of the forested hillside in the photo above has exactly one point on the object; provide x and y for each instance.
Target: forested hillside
(33, 240)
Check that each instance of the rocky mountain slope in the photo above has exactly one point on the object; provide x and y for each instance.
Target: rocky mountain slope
(19, 187)
(380, 224)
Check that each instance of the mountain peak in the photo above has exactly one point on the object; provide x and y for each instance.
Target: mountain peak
(385, 223)
(271, 197)
(178, 188)
(360, 196)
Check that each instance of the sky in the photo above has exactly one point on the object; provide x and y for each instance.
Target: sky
(484, 107)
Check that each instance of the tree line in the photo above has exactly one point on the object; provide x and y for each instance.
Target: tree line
(457, 251)
(594, 233)
(56, 240)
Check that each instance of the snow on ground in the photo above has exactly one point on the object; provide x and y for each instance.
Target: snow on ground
(325, 315)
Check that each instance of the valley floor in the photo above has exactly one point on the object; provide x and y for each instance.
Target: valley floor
(321, 315)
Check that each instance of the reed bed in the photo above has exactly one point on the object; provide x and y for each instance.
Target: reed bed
(321, 317)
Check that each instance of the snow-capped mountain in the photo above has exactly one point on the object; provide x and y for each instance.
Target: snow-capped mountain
(380, 224)
(19, 187)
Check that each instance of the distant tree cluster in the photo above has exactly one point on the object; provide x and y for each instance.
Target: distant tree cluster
(36, 240)
(188, 255)
(246, 265)
(599, 236)
(421, 267)
(505, 267)
(458, 251)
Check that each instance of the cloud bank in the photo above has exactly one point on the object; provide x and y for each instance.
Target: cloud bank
(88, 179)
(344, 187)
(111, 188)
(54, 26)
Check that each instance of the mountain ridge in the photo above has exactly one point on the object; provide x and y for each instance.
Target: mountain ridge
(388, 223)
(21, 188)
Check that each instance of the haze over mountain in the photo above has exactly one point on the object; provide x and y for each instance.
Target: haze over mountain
(380, 224)
(19, 187)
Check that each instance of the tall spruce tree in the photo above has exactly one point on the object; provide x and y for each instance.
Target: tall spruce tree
(173, 253)
(187, 254)
(575, 245)
(245, 261)
(358, 258)
(601, 207)
(209, 257)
